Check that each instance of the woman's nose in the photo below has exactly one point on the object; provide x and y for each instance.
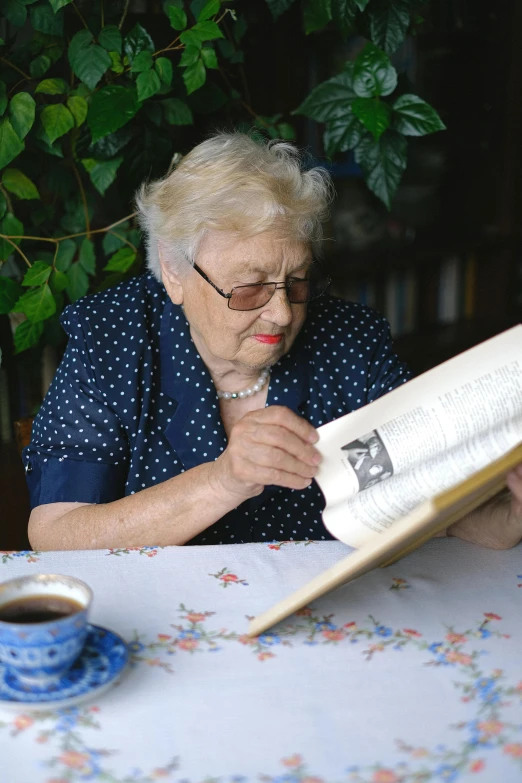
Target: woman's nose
(278, 309)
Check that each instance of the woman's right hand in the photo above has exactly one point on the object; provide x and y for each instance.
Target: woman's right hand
(267, 446)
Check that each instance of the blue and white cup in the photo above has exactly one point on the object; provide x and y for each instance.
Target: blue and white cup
(38, 653)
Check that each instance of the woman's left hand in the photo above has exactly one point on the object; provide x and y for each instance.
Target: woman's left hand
(498, 523)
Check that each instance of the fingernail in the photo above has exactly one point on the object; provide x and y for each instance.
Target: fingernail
(316, 459)
(313, 437)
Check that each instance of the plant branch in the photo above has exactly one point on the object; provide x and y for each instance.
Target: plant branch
(124, 14)
(84, 200)
(80, 15)
(7, 198)
(123, 239)
(14, 67)
(7, 239)
(105, 229)
(102, 15)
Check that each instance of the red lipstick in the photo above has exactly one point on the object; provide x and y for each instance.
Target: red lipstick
(269, 339)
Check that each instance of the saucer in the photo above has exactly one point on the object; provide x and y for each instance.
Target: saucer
(101, 662)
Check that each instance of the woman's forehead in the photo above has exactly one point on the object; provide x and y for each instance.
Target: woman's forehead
(259, 253)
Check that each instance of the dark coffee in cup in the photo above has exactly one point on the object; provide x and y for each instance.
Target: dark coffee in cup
(38, 609)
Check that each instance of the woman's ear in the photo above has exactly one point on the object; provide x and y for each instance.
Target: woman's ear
(171, 279)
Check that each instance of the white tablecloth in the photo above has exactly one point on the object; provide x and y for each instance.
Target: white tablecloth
(411, 674)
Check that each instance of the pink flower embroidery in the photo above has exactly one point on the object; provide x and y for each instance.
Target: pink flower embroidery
(195, 617)
(263, 656)
(188, 644)
(333, 636)
(514, 749)
(385, 776)
(292, 761)
(492, 616)
(491, 726)
(456, 638)
(411, 632)
(229, 578)
(477, 766)
(23, 722)
(74, 759)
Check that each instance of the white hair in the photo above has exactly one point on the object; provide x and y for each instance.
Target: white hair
(232, 183)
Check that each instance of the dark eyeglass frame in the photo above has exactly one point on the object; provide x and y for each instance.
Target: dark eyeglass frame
(287, 284)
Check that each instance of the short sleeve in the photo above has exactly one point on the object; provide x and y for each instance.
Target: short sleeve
(385, 371)
(78, 450)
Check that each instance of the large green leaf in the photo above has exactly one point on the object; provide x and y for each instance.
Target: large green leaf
(57, 4)
(209, 9)
(15, 181)
(373, 73)
(415, 117)
(27, 334)
(110, 38)
(278, 7)
(111, 108)
(78, 107)
(103, 172)
(177, 17)
(10, 292)
(38, 274)
(39, 66)
(121, 261)
(78, 282)
(10, 144)
(52, 87)
(3, 204)
(374, 114)
(343, 133)
(56, 120)
(15, 12)
(201, 32)
(37, 304)
(142, 62)
(88, 60)
(10, 226)
(343, 14)
(189, 55)
(316, 15)
(163, 68)
(22, 110)
(329, 100)
(87, 257)
(209, 57)
(148, 84)
(194, 76)
(389, 24)
(383, 163)
(136, 41)
(3, 97)
(45, 20)
(66, 252)
(58, 281)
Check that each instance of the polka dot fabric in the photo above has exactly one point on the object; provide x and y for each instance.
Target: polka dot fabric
(132, 404)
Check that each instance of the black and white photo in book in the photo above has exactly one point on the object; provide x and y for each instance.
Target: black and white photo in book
(369, 458)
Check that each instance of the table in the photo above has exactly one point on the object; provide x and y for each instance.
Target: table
(411, 674)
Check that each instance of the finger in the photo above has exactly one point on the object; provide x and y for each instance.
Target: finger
(280, 438)
(279, 477)
(279, 459)
(284, 417)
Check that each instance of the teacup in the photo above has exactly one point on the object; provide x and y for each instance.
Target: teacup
(43, 626)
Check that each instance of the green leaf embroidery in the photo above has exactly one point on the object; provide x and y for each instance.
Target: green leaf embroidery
(88, 60)
(111, 108)
(38, 274)
(10, 291)
(27, 334)
(22, 111)
(56, 120)
(121, 261)
(10, 144)
(415, 117)
(177, 112)
(52, 87)
(148, 84)
(15, 181)
(37, 304)
(373, 73)
(383, 163)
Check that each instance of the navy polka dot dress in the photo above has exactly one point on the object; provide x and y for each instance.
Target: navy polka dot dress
(132, 404)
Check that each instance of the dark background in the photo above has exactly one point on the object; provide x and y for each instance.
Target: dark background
(457, 209)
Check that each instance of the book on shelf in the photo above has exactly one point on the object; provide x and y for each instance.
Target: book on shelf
(403, 468)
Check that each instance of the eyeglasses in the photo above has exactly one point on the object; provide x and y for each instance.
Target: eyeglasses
(256, 295)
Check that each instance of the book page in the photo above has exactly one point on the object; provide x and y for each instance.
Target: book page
(382, 461)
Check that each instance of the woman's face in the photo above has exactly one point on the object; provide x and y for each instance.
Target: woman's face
(247, 339)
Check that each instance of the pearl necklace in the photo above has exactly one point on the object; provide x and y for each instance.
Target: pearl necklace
(240, 395)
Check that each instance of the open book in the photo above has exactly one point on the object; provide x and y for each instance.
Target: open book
(406, 466)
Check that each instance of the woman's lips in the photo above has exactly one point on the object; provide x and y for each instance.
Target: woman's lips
(269, 339)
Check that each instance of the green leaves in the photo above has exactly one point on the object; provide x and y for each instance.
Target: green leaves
(329, 100)
(27, 334)
(87, 257)
(148, 84)
(111, 108)
(10, 144)
(46, 20)
(10, 225)
(110, 38)
(38, 303)
(78, 108)
(177, 17)
(142, 62)
(373, 113)
(3, 97)
(88, 60)
(10, 292)
(22, 111)
(163, 68)
(38, 274)
(316, 14)
(415, 117)
(383, 163)
(121, 261)
(201, 32)
(57, 4)
(194, 76)
(52, 87)
(56, 120)
(176, 112)
(136, 41)
(102, 172)
(389, 24)
(209, 9)
(16, 182)
(278, 7)
(373, 73)
(77, 282)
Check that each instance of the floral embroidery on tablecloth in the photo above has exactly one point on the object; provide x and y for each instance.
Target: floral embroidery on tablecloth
(277, 545)
(226, 578)
(519, 577)
(150, 551)
(399, 584)
(10, 554)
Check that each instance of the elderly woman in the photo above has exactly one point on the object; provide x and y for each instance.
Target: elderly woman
(185, 407)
